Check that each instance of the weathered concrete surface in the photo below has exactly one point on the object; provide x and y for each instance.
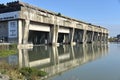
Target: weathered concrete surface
(30, 18)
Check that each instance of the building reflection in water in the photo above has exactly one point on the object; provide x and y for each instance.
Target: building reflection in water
(54, 60)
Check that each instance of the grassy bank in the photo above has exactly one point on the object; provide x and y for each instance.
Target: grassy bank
(6, 50)
(5, 53)
(16, 73)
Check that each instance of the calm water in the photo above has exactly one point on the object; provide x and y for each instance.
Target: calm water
(79, 62)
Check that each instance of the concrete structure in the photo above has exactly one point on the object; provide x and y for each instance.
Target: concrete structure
(23, 24)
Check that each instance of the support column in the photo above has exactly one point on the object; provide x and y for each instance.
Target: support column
(20, 32)
(53, 35)
(92, 36)
(26, 32)
(71, 35)
(84, 36)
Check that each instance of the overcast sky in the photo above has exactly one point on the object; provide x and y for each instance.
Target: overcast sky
(104, 13)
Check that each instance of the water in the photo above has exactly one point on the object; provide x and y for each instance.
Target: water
(66, 62)
(104, 68)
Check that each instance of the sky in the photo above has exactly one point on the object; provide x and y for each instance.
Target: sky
(105, 13)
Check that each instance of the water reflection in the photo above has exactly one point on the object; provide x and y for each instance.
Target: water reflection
(53, 59)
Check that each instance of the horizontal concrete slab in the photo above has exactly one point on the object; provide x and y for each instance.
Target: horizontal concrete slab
(64, 30)
(37, 27)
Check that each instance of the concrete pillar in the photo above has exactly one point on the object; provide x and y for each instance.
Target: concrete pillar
(56, 33)
(87, 37)
(26, 32)
(84, 36)
(20, 32)
(53, 35)
(92, 39)
(71, 35)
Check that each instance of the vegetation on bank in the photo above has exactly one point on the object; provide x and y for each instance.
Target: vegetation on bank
(32, 73)
(10, 71)
(113, 39)
(6, 50)
(16, 73)
(4, 53)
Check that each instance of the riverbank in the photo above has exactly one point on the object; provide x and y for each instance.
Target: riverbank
(13, 72)
(9, 72)
(7, 49)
